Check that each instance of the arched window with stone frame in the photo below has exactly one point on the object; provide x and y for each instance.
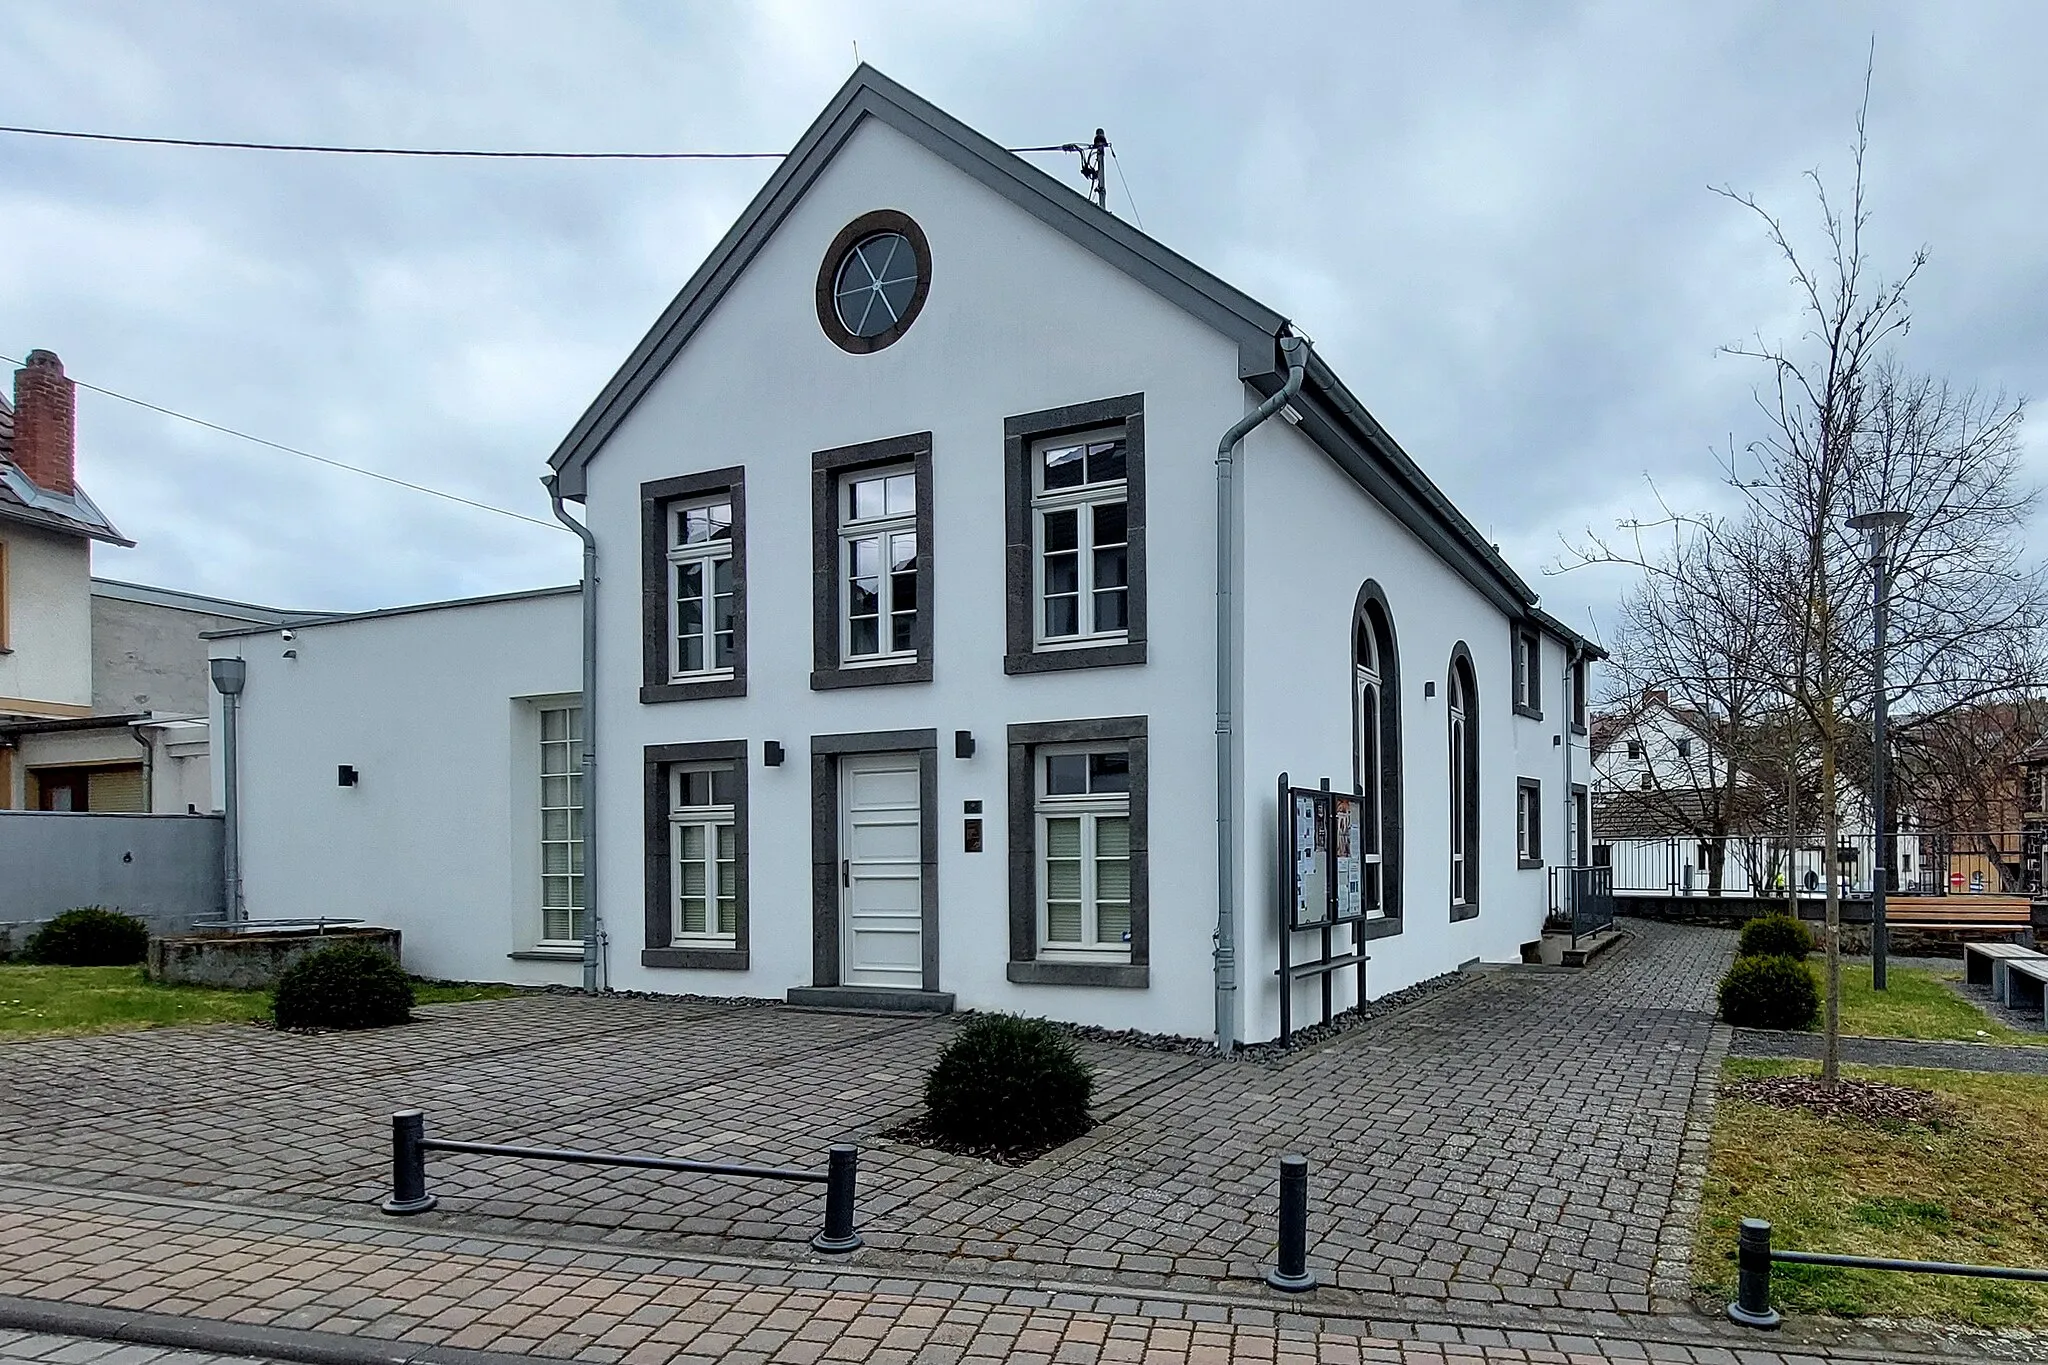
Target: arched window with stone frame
(1462, 722)
(1376, 756)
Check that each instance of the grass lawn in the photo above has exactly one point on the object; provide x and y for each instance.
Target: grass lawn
(1918, 1004)
(36, 1000)
(1965, 1189)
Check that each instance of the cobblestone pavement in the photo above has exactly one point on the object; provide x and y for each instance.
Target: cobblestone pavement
(1511, 1142)
(397, 1290)
(39, 1348)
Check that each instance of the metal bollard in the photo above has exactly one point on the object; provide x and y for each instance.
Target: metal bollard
(1292, 1273)
(408, 1164)
(1752, 1306)
(842, 1165)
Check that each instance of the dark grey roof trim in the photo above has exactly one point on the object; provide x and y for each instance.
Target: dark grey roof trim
(340, 618)
(1345, 429)
(57, 521)
(870, 94)
(119, 591)
(1559, 630)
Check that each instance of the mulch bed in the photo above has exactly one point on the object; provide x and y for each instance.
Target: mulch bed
(917, 1134)
(1871, 1101)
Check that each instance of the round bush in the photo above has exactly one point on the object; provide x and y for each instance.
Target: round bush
(1009, 1085)
(1770, 992)
(92, 936)
(350, 985)
(1775, 936)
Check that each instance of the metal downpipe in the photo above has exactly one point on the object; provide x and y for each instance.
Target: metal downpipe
(592, 929)
(1295, 350)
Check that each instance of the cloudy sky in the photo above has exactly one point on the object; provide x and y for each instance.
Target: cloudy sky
(1493, 218)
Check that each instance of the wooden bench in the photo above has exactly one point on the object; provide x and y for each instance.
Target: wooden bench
(1980, 959)
(1991, 914)
(2026, 984)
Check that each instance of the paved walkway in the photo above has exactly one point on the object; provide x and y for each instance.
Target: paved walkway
(42, 1348)
(355, 1292)
(1514, 1141)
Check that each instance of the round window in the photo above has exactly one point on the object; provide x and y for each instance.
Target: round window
(872, 282)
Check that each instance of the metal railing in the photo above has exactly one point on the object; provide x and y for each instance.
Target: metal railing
(1581, 901)
(1924, 863)
(410, 1145)
(1754, 1256)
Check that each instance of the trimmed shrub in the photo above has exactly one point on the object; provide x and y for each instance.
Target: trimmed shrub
(347, 986)
(1008, 1085)
(1770, 992)
(91, 936)
(1775, 936)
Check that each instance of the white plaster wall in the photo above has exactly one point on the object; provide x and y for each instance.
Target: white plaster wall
(49, 620)
(1018, 319)
(1312, 537)
(433, 710)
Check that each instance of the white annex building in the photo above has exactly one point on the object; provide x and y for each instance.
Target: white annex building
(923, 651)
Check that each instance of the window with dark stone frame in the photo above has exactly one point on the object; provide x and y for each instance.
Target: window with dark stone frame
(660, 762)
(1070, 546)
(658, 587)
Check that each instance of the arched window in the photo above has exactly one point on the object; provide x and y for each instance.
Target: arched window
(1464, 785)
(1376, 752)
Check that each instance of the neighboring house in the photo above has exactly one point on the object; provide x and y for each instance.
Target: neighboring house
(906, 513)
(103, 685)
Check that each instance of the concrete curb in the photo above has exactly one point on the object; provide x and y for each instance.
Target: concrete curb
(169, 1330)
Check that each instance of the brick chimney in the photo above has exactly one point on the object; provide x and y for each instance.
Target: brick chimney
(45, 424)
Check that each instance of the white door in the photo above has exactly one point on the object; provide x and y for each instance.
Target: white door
(881, 918)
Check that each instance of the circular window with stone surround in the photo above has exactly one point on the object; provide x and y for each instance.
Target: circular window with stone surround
(873, 281)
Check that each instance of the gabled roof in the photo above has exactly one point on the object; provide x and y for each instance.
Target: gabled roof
(21, 500)
(1331, 416)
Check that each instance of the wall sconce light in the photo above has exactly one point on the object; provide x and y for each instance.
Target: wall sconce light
(963, 744)
(771, 753)
(1556, 740)
(1429, 689)
(345, 775)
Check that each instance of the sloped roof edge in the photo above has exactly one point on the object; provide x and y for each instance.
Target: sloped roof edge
(1337, 422)
(869, 94)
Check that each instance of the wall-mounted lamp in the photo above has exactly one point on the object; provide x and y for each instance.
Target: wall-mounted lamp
(1429, 689)
(1556, 740)
(346, 775)
(771, 753)
(963, 744)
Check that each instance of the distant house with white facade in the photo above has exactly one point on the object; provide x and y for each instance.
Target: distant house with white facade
(927, 636)
(103, 689)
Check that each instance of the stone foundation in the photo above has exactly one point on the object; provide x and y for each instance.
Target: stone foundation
(251, 961)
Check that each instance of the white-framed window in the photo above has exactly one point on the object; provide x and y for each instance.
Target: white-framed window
(704, 844)
(701, 614)
(1084, 853)
(878, 566)
(1685, 748)
(561, 825)
(1461, 883)
(1528, 660)
(1080, 519)
(1635, 749)
(1528, 821)
(1368, 696)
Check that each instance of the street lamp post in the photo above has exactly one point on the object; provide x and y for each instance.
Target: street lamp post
(1878, 526)
(229, 677)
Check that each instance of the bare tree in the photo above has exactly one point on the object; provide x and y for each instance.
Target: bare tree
(1846, 428)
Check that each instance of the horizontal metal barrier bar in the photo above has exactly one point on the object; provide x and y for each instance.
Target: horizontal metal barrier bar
(1989, 1272)
(658, 1163)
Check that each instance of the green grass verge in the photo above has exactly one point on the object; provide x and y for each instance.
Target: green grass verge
(46, 1000)
(1966, 1189)
(1918, 1004)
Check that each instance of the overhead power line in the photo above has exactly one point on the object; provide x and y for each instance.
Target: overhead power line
(390, 151)
(216, 143)
(305, 454)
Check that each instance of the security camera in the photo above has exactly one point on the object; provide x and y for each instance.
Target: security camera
(287, 635)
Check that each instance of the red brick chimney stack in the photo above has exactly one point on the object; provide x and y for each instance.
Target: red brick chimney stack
(45, 423)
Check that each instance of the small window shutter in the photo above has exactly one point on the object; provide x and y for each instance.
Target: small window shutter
(115, 789)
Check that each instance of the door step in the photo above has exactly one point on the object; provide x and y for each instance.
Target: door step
(871, 998)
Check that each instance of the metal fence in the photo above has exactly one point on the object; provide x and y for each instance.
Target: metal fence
(1581, 900)
(1924, 863)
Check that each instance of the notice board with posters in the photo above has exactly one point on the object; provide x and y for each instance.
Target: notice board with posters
(1322, 886)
